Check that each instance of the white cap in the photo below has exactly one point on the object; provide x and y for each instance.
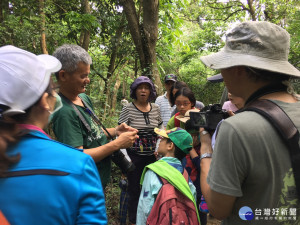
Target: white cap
(24, 77)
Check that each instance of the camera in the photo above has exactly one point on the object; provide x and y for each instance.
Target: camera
(208, 118)
(120, 160)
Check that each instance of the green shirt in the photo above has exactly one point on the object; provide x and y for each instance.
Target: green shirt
(69, 129)
(171, 124)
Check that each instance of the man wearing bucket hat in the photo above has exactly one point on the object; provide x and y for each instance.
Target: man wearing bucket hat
(174, 145)
(250, 169)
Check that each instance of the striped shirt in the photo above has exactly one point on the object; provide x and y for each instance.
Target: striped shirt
(145, 122)
(165, 108)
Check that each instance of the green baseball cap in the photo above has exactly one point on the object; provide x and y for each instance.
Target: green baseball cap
(180, 137)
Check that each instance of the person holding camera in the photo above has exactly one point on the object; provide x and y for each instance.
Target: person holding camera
(250, 169)
(76, 124)
(38, 184)
(144, 116)
(184, 99)
(175, 87)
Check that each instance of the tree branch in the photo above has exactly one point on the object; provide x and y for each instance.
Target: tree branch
(225, 7)
(226, 17)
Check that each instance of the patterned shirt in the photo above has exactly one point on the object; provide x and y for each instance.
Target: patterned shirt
(165, 108)
(145, 122)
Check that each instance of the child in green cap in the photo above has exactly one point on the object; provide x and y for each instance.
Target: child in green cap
(173, 147)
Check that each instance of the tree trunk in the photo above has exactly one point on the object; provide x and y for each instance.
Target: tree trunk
(114, 96)
(4, 10)
(124, 86)
(134, 28)
(107, 97)
(150, 25)
(42, 27)
(115, 44)
(145, 36)
(251, 10)
(111, 68)
(85, 34)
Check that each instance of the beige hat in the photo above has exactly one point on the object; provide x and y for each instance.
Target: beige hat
(257, 44)
(186, 116)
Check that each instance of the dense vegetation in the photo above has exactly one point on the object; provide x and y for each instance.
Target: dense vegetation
(129, 38)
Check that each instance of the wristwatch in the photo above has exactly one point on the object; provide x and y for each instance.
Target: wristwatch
(205, 155)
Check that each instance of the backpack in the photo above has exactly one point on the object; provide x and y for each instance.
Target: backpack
(172, 206)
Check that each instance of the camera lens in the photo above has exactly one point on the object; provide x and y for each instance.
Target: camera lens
(120, 160)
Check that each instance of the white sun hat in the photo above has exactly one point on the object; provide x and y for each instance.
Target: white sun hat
(257, 44)
(24, 77)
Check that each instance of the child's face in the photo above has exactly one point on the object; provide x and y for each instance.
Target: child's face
(162, 148)
(183, 104)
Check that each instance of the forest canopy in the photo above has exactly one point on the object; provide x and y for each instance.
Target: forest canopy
(129, 38)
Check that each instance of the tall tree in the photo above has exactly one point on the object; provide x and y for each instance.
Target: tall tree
(42, 26)
(85, 33)
(144, 33)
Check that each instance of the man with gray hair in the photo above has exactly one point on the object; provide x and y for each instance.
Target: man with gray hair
(249, 175)
(77, 126)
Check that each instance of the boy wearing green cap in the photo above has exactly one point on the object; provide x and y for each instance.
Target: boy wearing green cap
(174, 146)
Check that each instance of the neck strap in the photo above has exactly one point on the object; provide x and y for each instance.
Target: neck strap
(266, 90)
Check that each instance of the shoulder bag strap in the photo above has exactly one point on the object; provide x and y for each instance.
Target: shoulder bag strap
(285, 127)
(85, 123)
(90, 111)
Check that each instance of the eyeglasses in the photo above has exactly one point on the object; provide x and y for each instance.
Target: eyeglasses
(185, 104)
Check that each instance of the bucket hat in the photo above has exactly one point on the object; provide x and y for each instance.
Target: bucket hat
(141, 80)
(180, 137)
(24, 77)
(257, 44)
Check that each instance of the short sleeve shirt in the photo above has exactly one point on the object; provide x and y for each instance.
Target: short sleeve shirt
(165, 108)
(69, 129)
(251, 162)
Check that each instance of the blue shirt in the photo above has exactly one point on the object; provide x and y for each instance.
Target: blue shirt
(72, 194)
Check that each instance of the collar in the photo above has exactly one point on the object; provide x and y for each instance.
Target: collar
(171, 160)
(32, 128)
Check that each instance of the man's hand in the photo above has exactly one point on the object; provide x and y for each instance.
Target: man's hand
(219, 205)
(126, 139)
(124, 128)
